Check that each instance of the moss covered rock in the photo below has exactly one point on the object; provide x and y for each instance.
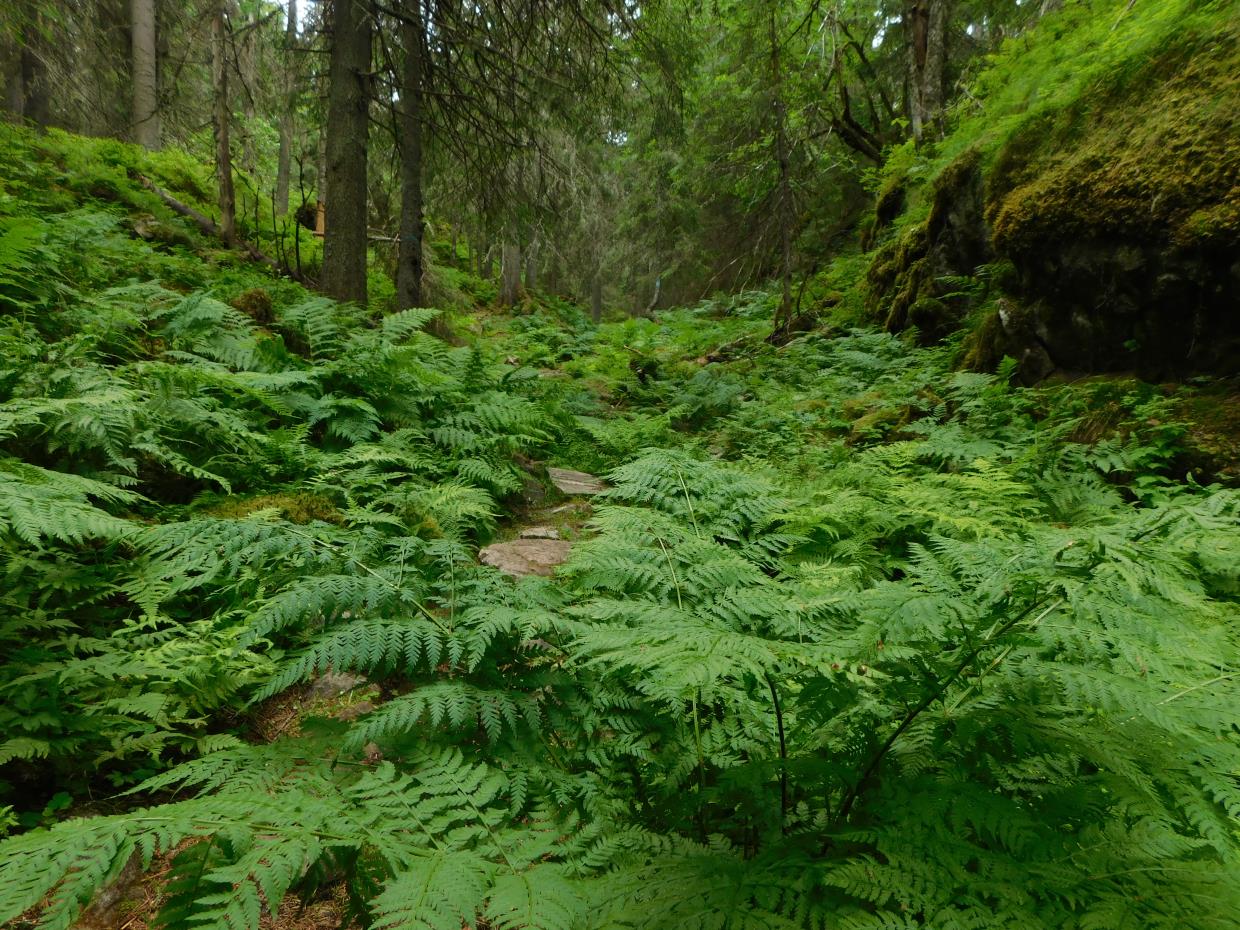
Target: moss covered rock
(1122, 216)
(1116, 212)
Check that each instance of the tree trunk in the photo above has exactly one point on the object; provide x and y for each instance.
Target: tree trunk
(596, 296)
(510, 274)
(14, 90)
(925, 25)
(784, 206)
(36, 101)
(348, 100)
(409, 268)
(247, 68)
(221, 118)
(145, 112)
(285, 158)
(531, 266)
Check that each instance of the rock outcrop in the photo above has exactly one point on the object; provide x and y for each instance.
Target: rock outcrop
(1101, 235)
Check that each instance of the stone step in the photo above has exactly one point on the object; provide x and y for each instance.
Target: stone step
(575, 483)
(529, 556)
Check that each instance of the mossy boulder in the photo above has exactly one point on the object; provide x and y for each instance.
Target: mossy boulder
(905, 280)
(1115, 215)
(1121, 215)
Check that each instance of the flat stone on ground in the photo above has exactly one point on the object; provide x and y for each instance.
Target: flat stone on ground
(331, 684)
(575, 482)
(526, 556)
(539, 532)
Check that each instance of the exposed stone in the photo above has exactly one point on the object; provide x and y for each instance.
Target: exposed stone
(353, 711)
(107, 910)
(333, 684)
(539, 532)
(575, 482)
(526, 556)
(533, 492)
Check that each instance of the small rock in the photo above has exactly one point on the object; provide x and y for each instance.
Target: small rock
(526, 556)
(533, 492)
(353, 711)
(107, 910)
(575, 482)
(539, 532)
(332, 684)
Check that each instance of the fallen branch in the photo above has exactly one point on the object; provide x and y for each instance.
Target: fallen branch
(209, 227)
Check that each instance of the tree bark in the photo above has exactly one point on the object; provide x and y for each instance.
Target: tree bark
(221, 117)
(145, 111)
(409, 268)
(36, 95)
(510, 274)
(285, 158)
(596, 296)
(247, 67)
(784, 207)
(925, 25)
(348, 99)
(14, 91)
(531, 266)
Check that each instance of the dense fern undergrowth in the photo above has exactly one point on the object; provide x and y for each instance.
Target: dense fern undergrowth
(852, 641)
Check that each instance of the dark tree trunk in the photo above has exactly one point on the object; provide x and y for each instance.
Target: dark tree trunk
(409, 268)
(247, 67)
(145, 107)
(596, 296)
(531, 265)
(285, 158)
(925, 29)
(348, 98)
(510, 274)
(221, 118)
(784, 204)
(14, 89)
(37, 100)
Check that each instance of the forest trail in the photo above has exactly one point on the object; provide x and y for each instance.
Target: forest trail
(544, 536)
(450, 582)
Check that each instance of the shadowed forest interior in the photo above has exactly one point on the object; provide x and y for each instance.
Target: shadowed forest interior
(599, 465)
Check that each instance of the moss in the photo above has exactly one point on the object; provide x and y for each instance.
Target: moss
(1212, 441)
(295, 507)
(256, 304)
(984, 346)
(1151, 157)
(928, 313)
(890, 202)
(950, 185)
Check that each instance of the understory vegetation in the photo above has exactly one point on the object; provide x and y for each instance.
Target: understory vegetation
(853, 640)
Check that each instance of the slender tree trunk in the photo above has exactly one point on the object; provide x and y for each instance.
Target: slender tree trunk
(596, 296)
(221, 118)
(348, 100)
(925, 25)
(486, 256)
(37, 101)
(531, 265)
(785, 217)
(247, 66)
(285, 158)
(145, 111)
(409, 268)
(14, 90)
(510, 273)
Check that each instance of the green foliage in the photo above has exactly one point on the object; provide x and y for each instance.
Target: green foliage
(851, 640)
